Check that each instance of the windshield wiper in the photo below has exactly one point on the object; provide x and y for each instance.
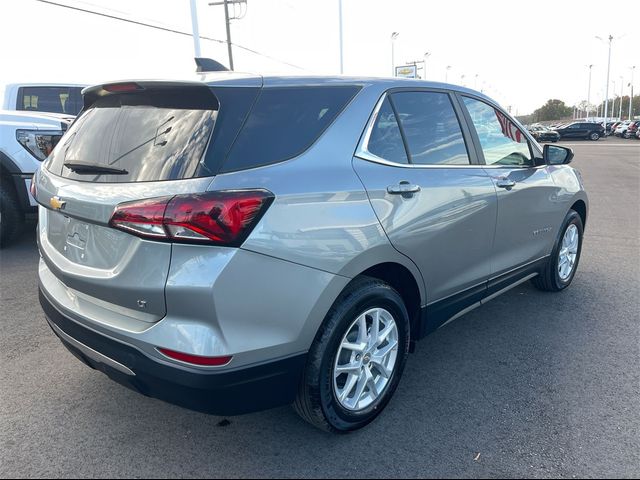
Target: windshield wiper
(94, 168)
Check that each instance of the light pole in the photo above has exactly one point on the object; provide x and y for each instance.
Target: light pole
(589, 92)
(462, 79)
(446, 74)
(631, 94)
(606, 101)
(340, 35)
(475, 82)
(195, 29)
(394, 35)
(424, 71)
(613, 108)
(621, 94)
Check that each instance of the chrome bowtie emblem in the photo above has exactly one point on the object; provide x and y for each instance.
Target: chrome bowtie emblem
(56, 203)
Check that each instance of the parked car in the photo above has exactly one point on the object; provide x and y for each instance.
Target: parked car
(586, 130)
(44, 97)
(638, 133)
(544, 134)
(631, 129)
(26, 138)
(621, 129)
(611, 127)
(221, 247)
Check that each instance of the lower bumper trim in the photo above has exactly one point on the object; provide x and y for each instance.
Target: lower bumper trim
(228, 392)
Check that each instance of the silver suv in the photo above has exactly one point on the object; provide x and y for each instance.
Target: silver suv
(240, 243)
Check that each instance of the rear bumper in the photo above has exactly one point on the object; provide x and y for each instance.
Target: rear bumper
(232, 392)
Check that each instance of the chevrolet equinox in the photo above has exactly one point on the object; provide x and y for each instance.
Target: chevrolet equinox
(237, 242)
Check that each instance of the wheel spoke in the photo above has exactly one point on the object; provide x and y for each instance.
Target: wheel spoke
(375, 328)
(373, 388)
(381, 367)
(348, 368)
(362, 329)
(379, 355)
(348, 387)
(384, 334)
(355, 347)
(362, 384)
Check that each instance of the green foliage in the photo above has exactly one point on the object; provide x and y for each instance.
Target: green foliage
(552, 110)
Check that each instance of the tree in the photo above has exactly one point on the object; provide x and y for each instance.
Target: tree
(554, 109)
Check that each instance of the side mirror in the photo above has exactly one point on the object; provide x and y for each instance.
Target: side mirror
(554, 155)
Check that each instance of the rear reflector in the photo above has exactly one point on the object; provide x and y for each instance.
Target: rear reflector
(219, 218)
(122, 87)
(195, 359)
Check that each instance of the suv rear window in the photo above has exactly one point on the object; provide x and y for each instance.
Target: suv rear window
(150, 136)
(50, 99)
(285, 122)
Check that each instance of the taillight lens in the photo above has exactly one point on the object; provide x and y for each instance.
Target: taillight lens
(126, 87)
(196, 359)
(220, 218)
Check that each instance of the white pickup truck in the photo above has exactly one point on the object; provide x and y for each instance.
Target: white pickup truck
(26, 139)
(43, 97)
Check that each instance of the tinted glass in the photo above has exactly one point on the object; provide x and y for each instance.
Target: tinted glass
(502, 141)
(431, 128)
(50, 99)
(385, 140)
(149, 136)
(284, 123)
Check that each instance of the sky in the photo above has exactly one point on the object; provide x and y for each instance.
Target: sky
(523, 53)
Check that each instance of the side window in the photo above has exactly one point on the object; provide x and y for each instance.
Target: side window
(386, 140)
(502, 141)
(431, 128)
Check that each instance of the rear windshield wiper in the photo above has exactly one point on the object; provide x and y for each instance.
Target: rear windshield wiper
(94, 168)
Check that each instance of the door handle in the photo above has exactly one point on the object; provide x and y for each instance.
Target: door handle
(505, 183)
(404, 188)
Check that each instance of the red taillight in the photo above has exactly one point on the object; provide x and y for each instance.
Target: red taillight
(196, 359)
(222, 218)
(32, 187)
(122, 87)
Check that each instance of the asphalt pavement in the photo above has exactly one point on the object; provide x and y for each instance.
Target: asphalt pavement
(531, 385)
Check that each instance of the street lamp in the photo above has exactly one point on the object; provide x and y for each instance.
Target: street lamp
(606, 101)
(631, 94)
(340, 36)
(621, 94)
(446, 74)
(425, 56)
(589, 92)
(394, 35)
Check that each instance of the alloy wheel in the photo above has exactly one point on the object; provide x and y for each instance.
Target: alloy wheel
(366, 359)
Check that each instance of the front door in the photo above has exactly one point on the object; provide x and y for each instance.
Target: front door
(528, 205)
(435, 202)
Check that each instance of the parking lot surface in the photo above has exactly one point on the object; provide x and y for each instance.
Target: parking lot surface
(531, 385)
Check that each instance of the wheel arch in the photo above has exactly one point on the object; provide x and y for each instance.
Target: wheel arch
(580, 206)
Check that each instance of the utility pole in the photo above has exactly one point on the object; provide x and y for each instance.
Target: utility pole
(195, 29)
(228, 23)
(631, 95)
(446, 74)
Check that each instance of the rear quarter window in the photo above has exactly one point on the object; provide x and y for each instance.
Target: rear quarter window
(285, 122)
(65, 100)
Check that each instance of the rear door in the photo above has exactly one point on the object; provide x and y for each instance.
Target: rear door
(151, 141)
(436, 204)
(529, 213)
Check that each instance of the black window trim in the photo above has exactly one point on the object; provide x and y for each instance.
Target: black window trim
(362, 150)
(536, 153)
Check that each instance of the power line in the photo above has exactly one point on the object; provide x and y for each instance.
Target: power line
(165, 29)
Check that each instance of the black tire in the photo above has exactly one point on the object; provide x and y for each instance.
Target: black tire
(11, 216)
(549, 278)
(594, 136)
(316, 401)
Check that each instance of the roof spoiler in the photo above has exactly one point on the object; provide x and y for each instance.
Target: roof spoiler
(209, 65)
